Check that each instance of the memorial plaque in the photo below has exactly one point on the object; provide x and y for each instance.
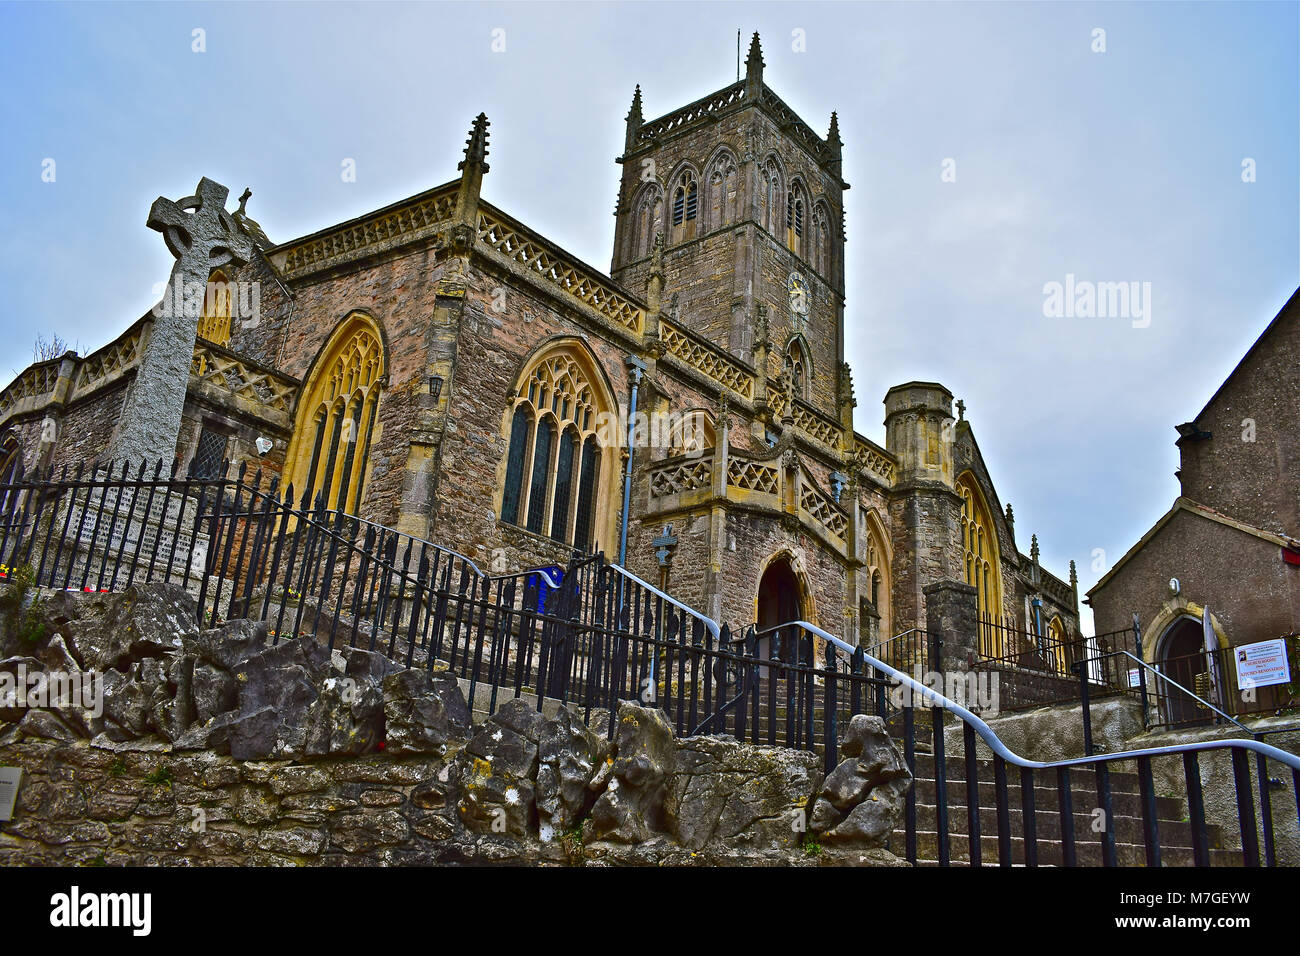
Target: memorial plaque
(9, 779)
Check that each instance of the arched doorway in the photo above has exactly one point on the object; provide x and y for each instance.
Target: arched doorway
(1181, 656)
(779, 602)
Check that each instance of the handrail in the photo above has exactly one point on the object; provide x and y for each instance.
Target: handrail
(1189, 693)
(890, 640)
(544, 572)
(998, 747)
(709, 623)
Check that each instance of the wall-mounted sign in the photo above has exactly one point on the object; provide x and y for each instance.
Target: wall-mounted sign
(1134, 677)
(9, 777)
(1262, 664)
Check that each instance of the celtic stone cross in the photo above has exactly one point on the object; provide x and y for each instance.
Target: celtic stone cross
(201, 235)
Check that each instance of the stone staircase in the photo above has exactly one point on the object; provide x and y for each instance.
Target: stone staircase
(1171, 813)
(1175, 834)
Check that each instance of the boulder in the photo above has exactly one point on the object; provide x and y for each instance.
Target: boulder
(212, 690)
(423, 712)
(11, 693)
(262, 734)
(276, 688)
(499, 769)
(212, 734)
(862, 799)
(226, 647)
(569, 756)
(870, 823)
(346, 718)
(104, 631)
(632, 805)
(740, 796)
(492, 800)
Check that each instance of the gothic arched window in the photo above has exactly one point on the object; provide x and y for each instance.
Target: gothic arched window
(795, 206)
(877, 559)
(686, 206)
(982, 564)
(798, 364)
(215, 323)
(553, 460)
(336, 417)
(1054, 650)
(823, 256)
(649, 222)
(721, 198)
(772, 197)
(11, 470)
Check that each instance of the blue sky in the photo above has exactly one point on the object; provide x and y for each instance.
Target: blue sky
(1115, 166)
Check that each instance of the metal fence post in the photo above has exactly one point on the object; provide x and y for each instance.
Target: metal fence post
(1142, 671)
(1081, 668)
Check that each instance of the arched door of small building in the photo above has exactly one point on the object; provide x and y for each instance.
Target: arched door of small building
(778, 603)
(1181, 656)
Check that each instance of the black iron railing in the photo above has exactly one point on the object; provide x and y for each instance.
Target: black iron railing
(592, 634)
(1035, 670)
(1022, 826)
(1222, 677)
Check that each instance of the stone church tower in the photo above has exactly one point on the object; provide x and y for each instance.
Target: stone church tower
(750, 207)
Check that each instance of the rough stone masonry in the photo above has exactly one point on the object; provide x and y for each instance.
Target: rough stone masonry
(215, 747)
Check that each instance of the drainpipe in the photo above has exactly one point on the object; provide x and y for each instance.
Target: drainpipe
(635, 369)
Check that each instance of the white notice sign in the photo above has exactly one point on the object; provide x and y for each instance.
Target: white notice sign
(9, 777)
(1134, 677)
(1259, 665)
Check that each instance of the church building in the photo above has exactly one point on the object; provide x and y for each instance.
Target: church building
(1220, 570)
(441, 368)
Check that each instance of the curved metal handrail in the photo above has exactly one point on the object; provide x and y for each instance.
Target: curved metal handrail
(544, 572)
(1170, 680)
(890, 640)
(709, 623)
(998, 747)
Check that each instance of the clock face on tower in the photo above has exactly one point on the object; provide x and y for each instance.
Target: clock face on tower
(800, 300)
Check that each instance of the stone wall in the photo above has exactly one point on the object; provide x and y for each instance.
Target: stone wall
(1250, 467)
(217, 748)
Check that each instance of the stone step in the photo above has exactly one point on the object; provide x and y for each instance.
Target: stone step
(1049, 852)
(1082, 779)
(1047, 821)
(1045, 796)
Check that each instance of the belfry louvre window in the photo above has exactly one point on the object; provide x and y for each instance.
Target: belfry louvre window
(794, 212)
(553, 458)
(686, 200)
(772, 198)
(336, 418)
